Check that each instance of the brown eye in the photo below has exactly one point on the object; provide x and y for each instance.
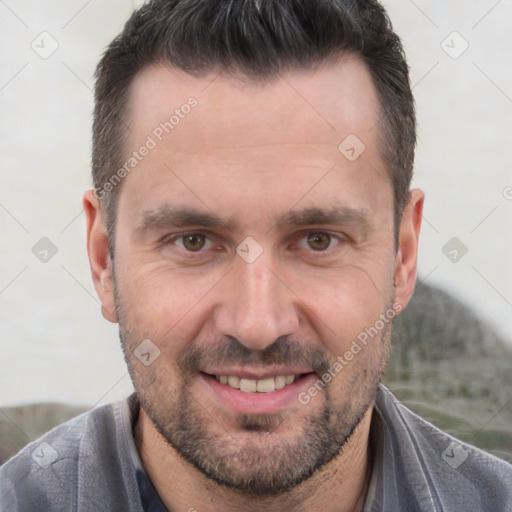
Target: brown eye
(193, 242)
(319, 241)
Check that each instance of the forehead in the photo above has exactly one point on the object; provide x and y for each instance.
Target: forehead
(264, 142)
(320, 105)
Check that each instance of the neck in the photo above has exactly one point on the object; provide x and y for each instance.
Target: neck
(341, 485)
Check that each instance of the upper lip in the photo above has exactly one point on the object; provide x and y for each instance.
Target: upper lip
(256, 374)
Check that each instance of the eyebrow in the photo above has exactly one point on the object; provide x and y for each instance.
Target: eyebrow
(173, 216)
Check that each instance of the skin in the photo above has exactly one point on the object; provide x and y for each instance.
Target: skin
(254, 152)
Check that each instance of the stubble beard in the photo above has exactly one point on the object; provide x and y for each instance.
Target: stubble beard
(255, 460)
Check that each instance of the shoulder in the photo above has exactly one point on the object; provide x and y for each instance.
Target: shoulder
(454, 474)
(54, 471)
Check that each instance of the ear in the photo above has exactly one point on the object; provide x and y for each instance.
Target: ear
(99, 257)
(407, 256)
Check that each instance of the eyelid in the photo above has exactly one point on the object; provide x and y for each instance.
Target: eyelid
(300, 236)
(179, 236)
(337, 237)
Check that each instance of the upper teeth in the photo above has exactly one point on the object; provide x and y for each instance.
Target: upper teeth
(256, 386)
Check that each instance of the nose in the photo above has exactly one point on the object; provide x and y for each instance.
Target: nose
(257, 306)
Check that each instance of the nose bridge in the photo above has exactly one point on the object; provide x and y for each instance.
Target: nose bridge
(259, 307)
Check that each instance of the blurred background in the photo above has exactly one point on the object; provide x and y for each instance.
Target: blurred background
(54, 343)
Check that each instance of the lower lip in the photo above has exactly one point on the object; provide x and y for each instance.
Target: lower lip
(256, 403)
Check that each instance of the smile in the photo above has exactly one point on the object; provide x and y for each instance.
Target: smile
(254, 391)
(257, 386)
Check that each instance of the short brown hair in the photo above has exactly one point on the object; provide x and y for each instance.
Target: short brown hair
(261, 39)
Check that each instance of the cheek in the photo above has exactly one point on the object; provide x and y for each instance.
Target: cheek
(164, 305)
(348, 302)
(174, 306)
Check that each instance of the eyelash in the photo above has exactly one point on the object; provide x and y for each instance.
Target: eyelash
(174, 238)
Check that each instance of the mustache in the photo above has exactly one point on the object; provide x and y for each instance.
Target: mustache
(229, 351)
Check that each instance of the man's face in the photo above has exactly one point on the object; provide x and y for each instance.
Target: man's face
(258, 161)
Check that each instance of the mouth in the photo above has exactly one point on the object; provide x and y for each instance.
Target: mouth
(242, 392)
(266, 385)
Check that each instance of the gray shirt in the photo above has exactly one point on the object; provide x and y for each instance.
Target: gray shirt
(91, 464)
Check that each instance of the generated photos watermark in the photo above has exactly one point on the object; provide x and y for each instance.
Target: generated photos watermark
(152, 140)
(358, 344)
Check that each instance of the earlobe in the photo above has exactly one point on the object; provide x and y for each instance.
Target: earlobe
(99, 257)
(407, 255)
